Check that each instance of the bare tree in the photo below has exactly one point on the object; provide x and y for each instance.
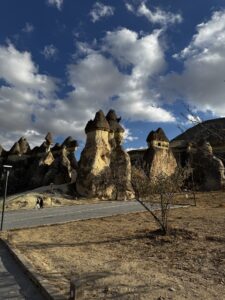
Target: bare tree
(161, 190)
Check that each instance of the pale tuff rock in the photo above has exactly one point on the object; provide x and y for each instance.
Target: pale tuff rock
(209, 171)
(120, 164)
(60, 170)
(158, 158)
(24, 146)
(104, 168)
(95, 158)
(19, 148)
(42, 165)
(60, 160)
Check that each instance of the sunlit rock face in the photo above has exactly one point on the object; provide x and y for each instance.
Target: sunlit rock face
(209, 171)
(104, 169)
(158, 158)
(19, 148)
(94, 164)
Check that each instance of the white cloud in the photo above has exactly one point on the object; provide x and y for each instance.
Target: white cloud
(139, 52)
(11, 60)
(57, 3)
(28, 28)
(100, 10)
(97, 79)
(102, 77)
(192, 119)
(128, 136)
(155, 15)
(130, 7)
(136, 148)
(202, 82)
(22, 93)
(50, 51)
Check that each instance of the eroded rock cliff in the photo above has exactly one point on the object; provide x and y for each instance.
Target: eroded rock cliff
(158, 158)
(209, 171)
(41, 165)
(104, 169)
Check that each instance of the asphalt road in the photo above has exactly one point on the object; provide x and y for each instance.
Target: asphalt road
(46, 216)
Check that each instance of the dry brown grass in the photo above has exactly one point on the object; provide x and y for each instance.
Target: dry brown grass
(121, 257)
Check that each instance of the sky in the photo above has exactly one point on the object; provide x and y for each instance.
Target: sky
(154, 62)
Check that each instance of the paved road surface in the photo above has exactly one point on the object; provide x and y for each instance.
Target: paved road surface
(36, 217)
(14, 284)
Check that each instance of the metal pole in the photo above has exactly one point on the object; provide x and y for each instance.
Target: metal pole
(3, 204)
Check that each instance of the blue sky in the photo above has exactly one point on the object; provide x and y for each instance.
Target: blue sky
(62, 60)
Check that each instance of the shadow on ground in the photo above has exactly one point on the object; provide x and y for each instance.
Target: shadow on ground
(14, 284)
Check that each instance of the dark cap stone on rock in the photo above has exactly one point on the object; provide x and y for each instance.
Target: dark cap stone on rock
(49, 138)
(70, 142)
(158, 135)
(99, 123)
(113, 121)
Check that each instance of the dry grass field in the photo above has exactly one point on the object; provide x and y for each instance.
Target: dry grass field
(122, 257)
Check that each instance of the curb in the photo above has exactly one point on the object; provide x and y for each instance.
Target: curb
(48, 291)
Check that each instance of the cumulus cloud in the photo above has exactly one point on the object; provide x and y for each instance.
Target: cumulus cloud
(22, 93)
(99, 82)
(100, 10)
(202, 82)
(50, 52)
(101, 76)
(135, 148)
(192, 119)
(56, 3)
(154, 15)
(128, 136)
(11, 60)
(28, 28)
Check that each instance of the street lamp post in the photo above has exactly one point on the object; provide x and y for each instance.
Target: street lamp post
(6, 169)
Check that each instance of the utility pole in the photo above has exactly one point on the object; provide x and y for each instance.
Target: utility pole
(6, 169)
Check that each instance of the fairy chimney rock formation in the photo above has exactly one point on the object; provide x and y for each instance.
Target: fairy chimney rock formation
(19, 148)
(95, 158)
(158, 158)
(209, 171)
(40, 166)
(24, 146)
(101, 159)
(120, 164)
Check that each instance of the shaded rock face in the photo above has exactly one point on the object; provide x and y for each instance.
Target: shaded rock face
(40, 166)
(211, 130)
(209, 171)
(158, 158)
(104, 167)
(120, 164)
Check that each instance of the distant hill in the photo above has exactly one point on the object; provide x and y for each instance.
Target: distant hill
(212, 130)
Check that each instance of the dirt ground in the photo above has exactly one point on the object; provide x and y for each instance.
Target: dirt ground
(120, 257)
(28, 201)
